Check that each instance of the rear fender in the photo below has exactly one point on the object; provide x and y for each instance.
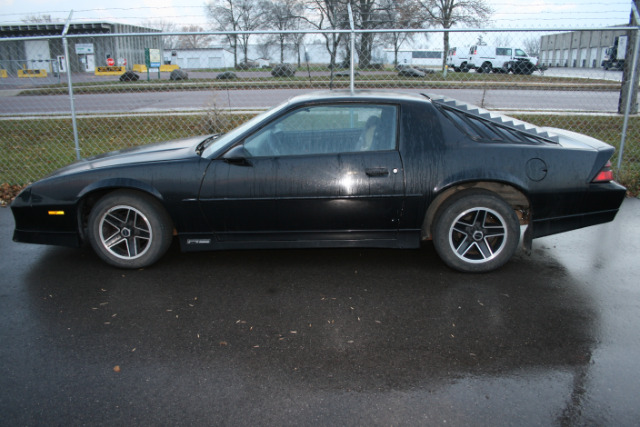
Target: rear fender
(512, 195)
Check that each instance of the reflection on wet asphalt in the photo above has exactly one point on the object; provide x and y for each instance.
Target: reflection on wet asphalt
(297, 337)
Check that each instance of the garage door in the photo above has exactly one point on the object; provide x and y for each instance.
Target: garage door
(38, 55)
(215, 62)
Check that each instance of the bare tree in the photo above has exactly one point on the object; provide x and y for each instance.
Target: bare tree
(333, 15)
(283, 15)
(250, 18)
(193, 41)
(532, 46)
(168, 42)
(447, 13)
(502, 40)
(400, 14)
(264, 49)
(225, 16)
(297, 39)
(366, 17)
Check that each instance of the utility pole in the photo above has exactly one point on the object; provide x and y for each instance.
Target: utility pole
(630, 88)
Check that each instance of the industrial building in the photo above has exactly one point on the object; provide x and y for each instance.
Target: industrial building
(85, 53)
(577, 49)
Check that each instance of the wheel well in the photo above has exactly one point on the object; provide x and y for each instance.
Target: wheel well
(514, 197)
(89, 200)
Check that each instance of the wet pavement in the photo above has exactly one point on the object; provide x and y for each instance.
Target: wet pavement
(324, 337)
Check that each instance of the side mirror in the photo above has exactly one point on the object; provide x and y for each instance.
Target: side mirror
(238, 155)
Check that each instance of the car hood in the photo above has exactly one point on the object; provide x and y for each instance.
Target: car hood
(159, 152)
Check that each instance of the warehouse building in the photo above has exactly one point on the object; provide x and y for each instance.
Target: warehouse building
(577, 49)
(85, 53)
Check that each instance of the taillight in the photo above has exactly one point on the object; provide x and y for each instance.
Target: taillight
(605, 174)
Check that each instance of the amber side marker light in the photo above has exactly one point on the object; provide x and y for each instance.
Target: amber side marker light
(56, 213)
(605, 174)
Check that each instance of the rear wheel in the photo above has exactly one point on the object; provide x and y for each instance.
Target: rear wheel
(485, 68)
(129, 229)
(476, 231)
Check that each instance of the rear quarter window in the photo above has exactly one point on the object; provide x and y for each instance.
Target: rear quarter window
(483, 130)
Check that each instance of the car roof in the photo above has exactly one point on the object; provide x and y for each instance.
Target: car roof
(380, 95)
(358, 95)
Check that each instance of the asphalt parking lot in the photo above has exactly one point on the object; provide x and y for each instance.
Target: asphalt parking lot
(324, 337)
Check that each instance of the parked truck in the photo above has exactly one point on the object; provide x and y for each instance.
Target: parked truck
(615, 55)
(486, 59)
(458, 58)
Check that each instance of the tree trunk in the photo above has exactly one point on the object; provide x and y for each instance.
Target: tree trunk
(281, 50)
(245, 49)
(364, 54)
(446, 49)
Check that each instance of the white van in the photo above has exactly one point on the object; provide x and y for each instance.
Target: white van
(458, 58)
(501, 60)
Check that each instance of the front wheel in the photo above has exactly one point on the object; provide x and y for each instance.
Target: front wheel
(129, 229)
(476, 231)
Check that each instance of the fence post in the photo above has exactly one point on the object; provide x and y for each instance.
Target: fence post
(352, 73)
(74, 124)
(630, 89)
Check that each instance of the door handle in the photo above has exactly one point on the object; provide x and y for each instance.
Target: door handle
(373, 172)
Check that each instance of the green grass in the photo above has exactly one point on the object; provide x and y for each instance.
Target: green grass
(30, 149)
(365, 80)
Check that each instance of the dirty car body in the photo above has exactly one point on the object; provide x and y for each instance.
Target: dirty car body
(333, 169)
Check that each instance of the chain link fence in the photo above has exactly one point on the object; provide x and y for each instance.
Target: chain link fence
(93, 90)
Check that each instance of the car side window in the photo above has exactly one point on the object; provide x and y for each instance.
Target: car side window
(520, 52)
(327, 129)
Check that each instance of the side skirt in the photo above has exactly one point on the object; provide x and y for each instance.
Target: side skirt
(380, 239)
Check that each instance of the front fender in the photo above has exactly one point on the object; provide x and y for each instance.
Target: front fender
(119, 183)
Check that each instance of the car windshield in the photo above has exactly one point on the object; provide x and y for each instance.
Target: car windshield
(212, 144)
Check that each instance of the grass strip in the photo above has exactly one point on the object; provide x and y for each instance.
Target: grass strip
(31, 149)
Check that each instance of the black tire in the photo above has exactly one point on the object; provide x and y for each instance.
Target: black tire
(464, 67)
(523, 67)
(476, 231)
(129, 229)
(485, 68)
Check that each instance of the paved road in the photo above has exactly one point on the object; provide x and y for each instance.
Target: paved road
(596, 101)
(324, 337)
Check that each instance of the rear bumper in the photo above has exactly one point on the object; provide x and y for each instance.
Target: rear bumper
(550, 226)
(599, 205)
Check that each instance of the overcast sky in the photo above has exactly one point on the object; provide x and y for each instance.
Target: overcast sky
(508, 13)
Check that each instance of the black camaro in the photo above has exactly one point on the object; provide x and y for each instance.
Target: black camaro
(333, 169)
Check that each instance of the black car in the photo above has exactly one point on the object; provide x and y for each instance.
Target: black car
(333, 169)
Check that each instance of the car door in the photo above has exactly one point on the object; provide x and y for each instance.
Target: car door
(321, 171)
